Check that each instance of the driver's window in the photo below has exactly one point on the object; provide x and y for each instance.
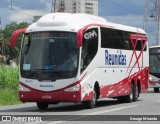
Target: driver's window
(26, 43)
(89, 47)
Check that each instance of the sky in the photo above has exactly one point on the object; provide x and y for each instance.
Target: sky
(128, 12)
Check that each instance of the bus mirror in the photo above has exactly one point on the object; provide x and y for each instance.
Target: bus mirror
(15, 36)
(79, 38)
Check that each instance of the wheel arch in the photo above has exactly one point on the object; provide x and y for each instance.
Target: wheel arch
(97, 89)
(139, 85)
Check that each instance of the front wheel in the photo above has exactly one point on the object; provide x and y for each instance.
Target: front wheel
(42, 106)
(92, 103)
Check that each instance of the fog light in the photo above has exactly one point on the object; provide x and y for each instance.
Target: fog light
(22, 88)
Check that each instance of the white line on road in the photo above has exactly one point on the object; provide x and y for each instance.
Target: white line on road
(92, 113)
(106, 111)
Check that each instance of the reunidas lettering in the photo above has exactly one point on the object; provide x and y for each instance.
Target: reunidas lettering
(115, 59)
(90, 35)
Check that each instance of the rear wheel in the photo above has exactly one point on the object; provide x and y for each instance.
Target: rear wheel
(42, 106)
(133, 96)
(135, 93)
(129, 98)
(92, 103)
(156, 90)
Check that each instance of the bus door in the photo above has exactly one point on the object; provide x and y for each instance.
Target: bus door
(88, 54)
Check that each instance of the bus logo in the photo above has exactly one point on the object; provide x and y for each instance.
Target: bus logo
(90, 35)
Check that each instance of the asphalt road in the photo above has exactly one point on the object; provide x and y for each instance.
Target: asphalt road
(145, 110)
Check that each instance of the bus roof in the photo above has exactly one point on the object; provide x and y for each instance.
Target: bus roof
(73, 22)
(156, 46)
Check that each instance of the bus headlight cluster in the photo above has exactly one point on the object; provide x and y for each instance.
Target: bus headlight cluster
(74, 88)
(152, 78)
(22, 88)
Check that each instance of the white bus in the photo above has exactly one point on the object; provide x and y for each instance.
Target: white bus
(154, 65)
(81, 58)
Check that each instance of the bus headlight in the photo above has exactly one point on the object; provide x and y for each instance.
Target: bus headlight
(152, 78)
(74, 88)
(22, 88)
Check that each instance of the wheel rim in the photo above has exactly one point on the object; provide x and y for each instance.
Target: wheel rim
(94, 98)
(131, 93)
(137, 92)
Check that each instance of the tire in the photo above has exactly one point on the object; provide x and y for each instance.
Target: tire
(156, 90)
(42, 106)
(129, 98)
(135, 93)
(91, 103)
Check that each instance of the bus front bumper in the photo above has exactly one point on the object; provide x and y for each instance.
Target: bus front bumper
(154, 84)
(52, 96)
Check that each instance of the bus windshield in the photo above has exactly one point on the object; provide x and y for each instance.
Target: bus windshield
(154, 60)
(47, 55)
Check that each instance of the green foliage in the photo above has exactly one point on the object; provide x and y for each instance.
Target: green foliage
(8, 97)
(7, 33)
(8, 77)
(8, 85)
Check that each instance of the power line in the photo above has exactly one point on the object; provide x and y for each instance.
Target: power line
(119, 5)
(23, 12)
(32, 7)
(48, 1)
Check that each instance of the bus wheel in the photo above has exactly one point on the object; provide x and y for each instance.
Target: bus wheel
(42, 106)
(92, 103)
(135, 93)
(129, 98)
(156, 90)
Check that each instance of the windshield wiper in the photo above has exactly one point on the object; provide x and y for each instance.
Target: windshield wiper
(35, 72)
(63, 73)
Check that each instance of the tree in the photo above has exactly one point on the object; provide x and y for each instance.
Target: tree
(7, 33)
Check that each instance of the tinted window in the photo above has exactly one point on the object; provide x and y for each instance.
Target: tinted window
(139, 44)
(117, 39)
(47, 55)
(89, 47)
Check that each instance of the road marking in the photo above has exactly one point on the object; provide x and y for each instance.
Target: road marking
(92, 113)
(106, 111)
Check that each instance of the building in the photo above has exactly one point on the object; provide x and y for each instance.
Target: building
(74, 6)
(77, 6)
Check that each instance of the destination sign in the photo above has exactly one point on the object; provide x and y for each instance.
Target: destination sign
(154, 50)
(39, 35)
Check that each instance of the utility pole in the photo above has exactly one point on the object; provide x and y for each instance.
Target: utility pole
(158, 20)
(152, 21)
(53, 8)
(1, 37)
(11, 5)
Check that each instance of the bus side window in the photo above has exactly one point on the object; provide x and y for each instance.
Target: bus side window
(126, 44)
(89, 47)
(139, 44)
(115, 39)
(145, 47)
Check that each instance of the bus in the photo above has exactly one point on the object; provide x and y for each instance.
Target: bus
(81, 58)
(154, 68)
